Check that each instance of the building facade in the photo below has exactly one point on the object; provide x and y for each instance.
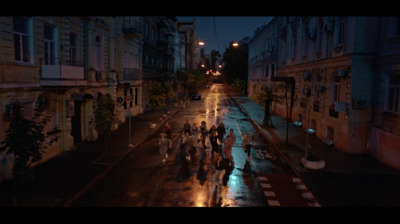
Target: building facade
(71, 61)
(384, 125)
(158, 52)
(67, 62)
(262, 58)
(334, 63)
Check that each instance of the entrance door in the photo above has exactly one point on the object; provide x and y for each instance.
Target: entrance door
(330, 133)
(76, 122)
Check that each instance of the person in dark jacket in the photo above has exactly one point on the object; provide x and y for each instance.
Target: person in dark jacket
(187, 128)
(213, 136)
(203, 132)
(167, 130)
(221, 131)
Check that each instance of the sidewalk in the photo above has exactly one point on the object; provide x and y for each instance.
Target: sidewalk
(62, 179)
(335, 159)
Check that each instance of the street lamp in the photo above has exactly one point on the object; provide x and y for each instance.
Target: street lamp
(201, 43)
(235, 44)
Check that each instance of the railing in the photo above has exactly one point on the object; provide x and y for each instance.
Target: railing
(57, 68)
(131, 74)
(131, 27)
(59, 61)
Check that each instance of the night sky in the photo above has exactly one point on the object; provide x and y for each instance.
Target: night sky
(226, 29)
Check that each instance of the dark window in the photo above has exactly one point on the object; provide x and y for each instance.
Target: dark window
(21, 39)
(330, 133)
(136, 96)
(48, 36)
(272, 70)
(394, 93)
(73, 49)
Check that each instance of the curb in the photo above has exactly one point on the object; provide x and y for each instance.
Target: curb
(109, 168)
(260, 131)
(313, 202)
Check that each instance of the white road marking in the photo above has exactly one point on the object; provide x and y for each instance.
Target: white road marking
(263, 178)
(273, 203)
(264, 185)
(269, 193)
(241, 135)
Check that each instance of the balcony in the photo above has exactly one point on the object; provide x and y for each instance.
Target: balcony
(132, 29)
(14, 76)
(62, 73)
(131, 74)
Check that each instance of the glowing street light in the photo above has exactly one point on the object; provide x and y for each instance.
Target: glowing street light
(235, 44)
(201, 43)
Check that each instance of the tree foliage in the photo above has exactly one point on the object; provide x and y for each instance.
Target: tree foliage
(25, 139)
(239, 85)
(191, 80)
(157, 96)
(268, 95)
(104, 117)
(168, 90)
(236, 62)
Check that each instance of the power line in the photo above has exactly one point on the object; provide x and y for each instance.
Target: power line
(215, 32)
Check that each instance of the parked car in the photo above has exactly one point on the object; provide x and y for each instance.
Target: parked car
(196, 96)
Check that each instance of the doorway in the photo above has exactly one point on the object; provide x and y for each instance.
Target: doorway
(76, 132)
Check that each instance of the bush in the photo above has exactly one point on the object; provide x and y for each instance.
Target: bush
(311, 156)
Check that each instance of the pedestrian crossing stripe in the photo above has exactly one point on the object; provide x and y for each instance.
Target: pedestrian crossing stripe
(264, 185)
(273, 203)
(261, 178)
(269, 193)
(307, 195)
(299, 185)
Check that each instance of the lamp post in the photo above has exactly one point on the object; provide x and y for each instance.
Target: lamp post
(308, 132)
(126, 99)
(130, 144)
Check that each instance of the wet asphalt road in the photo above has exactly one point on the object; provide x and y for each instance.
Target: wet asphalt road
(141, 180)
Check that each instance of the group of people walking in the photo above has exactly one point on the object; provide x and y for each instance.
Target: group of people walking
(194, 138)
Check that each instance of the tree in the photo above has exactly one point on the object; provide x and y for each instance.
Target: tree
(239, 85)
(157, 96)
(183, 78)
(168, 90)
(25, 139)
(215, 56)
(199, 80)
(266, 98)
(192, 80)
(236, 62)
(104, 118)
